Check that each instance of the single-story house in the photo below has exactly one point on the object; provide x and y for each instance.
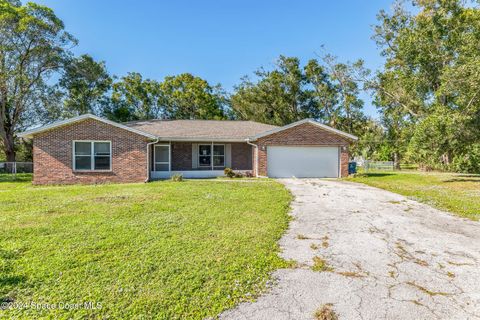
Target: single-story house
(90, 149)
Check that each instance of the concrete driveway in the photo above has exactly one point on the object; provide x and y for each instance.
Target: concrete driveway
(389, 258)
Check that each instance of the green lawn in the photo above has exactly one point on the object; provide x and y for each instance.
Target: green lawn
(457, 193)
(166, 250)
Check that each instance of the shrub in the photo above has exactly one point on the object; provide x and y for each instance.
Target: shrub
(468, 162)
(229, 173)
(239, 175)
(177, 177)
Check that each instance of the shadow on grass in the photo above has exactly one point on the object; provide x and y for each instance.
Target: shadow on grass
(19, 177)
(462, 180)
(9, 280)
(469, 175)
(375, 174)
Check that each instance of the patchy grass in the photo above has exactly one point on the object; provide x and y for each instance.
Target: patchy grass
(426, 291)
(160, 250)
(302, 237)
(326, 312)
(457, 193)
(320, 265)
(351, 274)
(313, 246)
(325, 242)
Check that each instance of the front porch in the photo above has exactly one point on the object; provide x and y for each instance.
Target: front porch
(198, 159)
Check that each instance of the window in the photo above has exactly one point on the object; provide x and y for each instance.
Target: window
(218, 155)
(162, 158)
(92, 155)
(206, 157)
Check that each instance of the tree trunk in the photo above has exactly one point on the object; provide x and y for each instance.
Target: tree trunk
(9, 147)
(396, 161)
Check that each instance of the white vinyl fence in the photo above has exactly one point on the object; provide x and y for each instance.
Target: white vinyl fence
(16, 167)
(378, 165)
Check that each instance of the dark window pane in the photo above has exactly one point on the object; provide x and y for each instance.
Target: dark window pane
(82, 163)
(83, 148)
(218, 161)
(204, 161)
(204, 150)
(161, 167)
(161, 153)
(218, 150)
(102, 163)
(102, 148)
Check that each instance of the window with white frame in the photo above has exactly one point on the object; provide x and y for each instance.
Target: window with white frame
(92, 155)
(206, 157)
(162, 157)
(218, 155)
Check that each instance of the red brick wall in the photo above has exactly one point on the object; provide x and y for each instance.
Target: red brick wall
(306, 134)
(241, 156)
(181, 156)
(52, 154)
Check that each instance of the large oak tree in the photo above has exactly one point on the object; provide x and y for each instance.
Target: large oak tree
(33, 45)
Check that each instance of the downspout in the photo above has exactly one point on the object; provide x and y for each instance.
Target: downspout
(256, 155)
(148, 158)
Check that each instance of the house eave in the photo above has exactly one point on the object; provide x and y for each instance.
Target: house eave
(29, 134)
(294, 124)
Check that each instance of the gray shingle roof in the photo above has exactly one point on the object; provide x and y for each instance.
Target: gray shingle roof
(201, 129)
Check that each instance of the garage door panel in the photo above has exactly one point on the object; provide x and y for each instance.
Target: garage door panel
(302, 162)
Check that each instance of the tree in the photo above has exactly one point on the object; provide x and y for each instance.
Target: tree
(134, 98)
(33, 45)
(279, 96)
(188, 97)
(428, 89)
(346, 78)
(325, 90)
(86, 83)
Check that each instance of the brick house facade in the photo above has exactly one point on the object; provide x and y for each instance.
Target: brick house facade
(306, 134)
(240, 153)
(53, 154)
(76, 150)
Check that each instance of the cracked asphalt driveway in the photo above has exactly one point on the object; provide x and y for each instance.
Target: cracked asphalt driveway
(390, 258)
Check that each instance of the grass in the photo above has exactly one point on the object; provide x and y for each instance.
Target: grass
(160, 250)
(320, 265)
(457, 193)
(326, 312)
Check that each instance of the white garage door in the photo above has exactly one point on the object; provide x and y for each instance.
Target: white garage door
(302, 162)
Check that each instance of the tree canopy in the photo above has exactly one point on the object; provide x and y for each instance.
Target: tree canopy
(33, 45)
(86, 83)
(428, 90)
(324, 89)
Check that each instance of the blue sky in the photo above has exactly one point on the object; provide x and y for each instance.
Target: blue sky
(219, 41)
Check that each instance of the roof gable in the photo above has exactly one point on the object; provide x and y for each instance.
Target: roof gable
(310, 121)
(57, 124)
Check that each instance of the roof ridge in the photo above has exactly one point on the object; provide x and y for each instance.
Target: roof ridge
(199, 120)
